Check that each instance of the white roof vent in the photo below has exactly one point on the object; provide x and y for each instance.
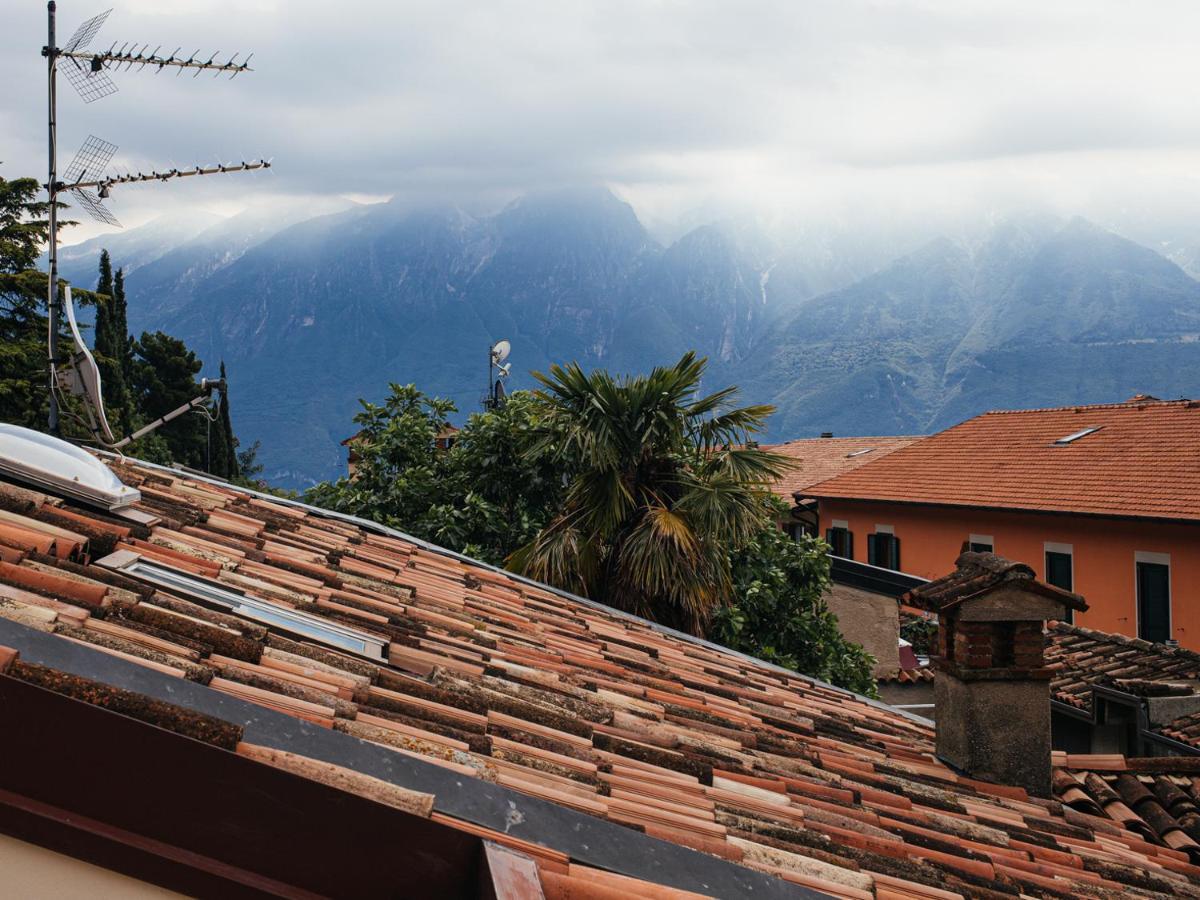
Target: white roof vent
(61, 468)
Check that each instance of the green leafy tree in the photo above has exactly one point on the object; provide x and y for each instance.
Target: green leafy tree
(778, 611)
(24, 370)
(164, 378)
(512, 470)
(112, 347)
(664, 488)
(485, 495)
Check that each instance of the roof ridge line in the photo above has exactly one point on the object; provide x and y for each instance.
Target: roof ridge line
(1185, 402)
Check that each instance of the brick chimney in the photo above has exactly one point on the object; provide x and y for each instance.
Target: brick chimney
(992, 688)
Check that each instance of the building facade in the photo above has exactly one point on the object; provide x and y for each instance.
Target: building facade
(1100, 500)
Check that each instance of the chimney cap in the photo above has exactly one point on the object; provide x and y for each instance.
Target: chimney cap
(981, 573)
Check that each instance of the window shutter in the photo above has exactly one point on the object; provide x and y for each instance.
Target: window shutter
(896, 553)
(873, 549)
(849, 545)
(829, 540)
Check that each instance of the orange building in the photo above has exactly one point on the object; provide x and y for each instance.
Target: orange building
(1101, 500)
(814, 460)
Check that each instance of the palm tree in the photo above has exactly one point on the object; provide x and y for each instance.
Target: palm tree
(663, 486)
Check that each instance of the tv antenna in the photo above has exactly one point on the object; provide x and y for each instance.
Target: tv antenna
(87, 71)
(497, 354)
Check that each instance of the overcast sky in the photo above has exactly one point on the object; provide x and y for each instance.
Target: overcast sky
(847, 107)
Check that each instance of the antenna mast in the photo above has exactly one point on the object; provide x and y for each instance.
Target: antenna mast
(86, 72)
(497, 354)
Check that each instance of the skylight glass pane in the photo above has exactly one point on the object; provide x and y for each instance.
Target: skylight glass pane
(280, 617)
(862, 452)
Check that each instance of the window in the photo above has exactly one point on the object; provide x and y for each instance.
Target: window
(1060, 569)
(981, 543)
(840, 540)
(1072, 438)
(883, 548)
(214, 593)
(1153, 576)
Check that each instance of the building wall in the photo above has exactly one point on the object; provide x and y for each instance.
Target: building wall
(1104, 553)
(27, 870)
(871, 620)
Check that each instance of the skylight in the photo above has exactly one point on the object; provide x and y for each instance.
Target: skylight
(272, 615)
(1072, 438)
(862, 452)
(54, 465)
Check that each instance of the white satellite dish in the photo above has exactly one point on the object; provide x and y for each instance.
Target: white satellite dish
(82, 379)
(500, 351)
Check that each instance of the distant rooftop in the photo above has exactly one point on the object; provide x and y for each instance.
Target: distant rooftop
(818, 459)
(1138, 459)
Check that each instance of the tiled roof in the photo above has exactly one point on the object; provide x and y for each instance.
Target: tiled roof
(1083, 657)
(818, 459)
(917, 675)
(1144, 461)
(1185, 729)
(503, 682)
(1157, 798)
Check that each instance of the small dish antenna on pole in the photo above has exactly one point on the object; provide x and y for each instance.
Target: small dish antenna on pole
(494, 398)
(87, 71)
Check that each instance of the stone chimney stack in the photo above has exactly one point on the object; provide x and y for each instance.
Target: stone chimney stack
(992, 688)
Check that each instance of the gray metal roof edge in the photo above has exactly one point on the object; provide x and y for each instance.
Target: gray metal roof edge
(372, 525)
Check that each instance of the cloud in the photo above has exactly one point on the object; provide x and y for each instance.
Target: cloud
(812, 105)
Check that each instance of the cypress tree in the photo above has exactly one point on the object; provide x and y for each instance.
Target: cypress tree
(120, 326)
(109, 344)
(103, 338)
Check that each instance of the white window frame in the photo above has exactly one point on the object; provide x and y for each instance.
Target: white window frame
(1155, 558)
(1067, 550)
(982, 539)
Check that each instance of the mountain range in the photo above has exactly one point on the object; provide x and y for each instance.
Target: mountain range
(887, 333)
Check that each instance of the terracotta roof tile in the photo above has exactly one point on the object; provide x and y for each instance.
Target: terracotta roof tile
(1144, 461)
(819, 459)
(504, 681)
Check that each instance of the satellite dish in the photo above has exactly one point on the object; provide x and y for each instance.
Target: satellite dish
(500, 351)
(504, 370)
(82, 379)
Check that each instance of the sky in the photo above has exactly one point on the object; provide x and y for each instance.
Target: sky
(812, 110)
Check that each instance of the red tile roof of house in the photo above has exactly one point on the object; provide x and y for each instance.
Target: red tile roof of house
(1083, 657)
(1144, 461)
(506, 683)
(1155, 797)
(818, 459)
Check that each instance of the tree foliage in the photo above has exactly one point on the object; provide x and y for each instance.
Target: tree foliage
(24, 373)
(663, 488)
(486, 494)
(513, 471)
(141, 379)
(778, 611)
